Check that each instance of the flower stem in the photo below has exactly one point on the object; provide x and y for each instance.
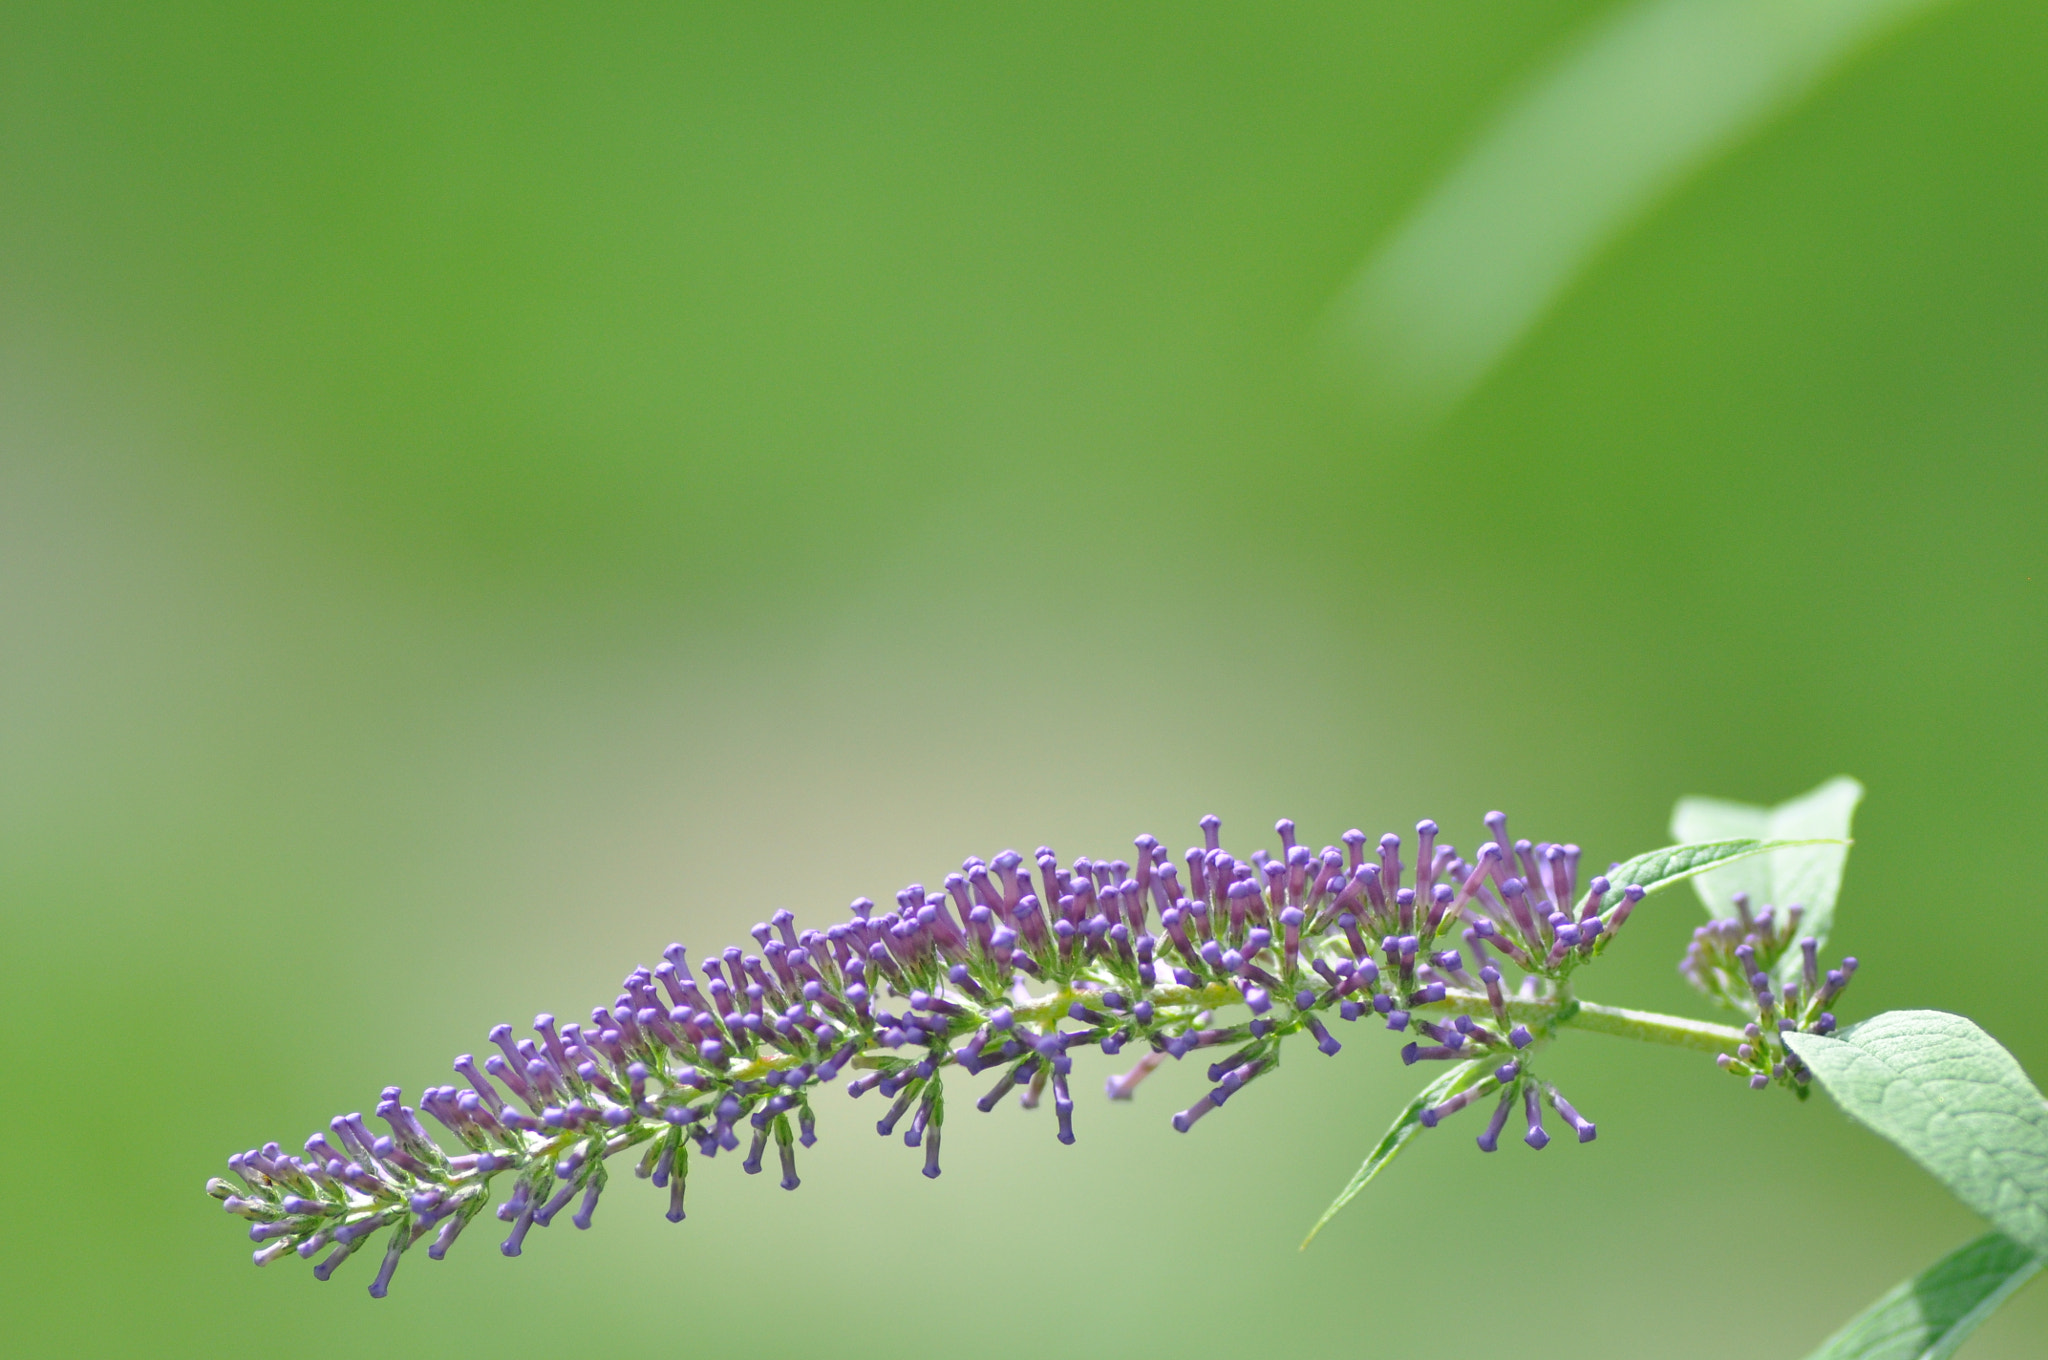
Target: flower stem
(1554, 1013)
(1652, 1028)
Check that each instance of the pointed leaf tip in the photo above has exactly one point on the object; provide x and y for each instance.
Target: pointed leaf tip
(1405, 1126)
(1659, 869)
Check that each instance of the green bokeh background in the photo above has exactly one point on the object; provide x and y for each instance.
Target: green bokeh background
(491, 489)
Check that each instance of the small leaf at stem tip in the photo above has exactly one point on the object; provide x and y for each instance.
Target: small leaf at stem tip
(1405, 1127)
(1660, 869)
(1928, 1316)
(1954, 1101)
(1810, 877)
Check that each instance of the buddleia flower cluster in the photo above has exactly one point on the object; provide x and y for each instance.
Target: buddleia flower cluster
(1003, 972)
(1733, 959)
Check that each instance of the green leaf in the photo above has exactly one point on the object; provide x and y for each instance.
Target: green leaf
(1810, 876)
(1676, 863)
(1407, 1126)
(1954, 1101)
(1930, 1315)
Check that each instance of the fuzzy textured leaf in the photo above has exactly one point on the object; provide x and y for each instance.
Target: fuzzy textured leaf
(1930, 1315)
(1405, 1127)
(1810, 875)
(1676, 863)
(1954, 1101)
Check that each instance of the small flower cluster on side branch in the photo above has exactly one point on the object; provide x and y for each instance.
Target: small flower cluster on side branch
(1002, 972)
(1733, 960)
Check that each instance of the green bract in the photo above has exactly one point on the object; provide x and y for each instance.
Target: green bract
(1808, 875)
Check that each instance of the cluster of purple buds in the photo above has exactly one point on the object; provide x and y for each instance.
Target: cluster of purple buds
(1003, 970)
(1518, 1090)
(1734, 960)
(1520, 898)
(1495, 1059)
(1711, 965)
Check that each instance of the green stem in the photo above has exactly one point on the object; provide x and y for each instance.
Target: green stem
(1545, 1016)
(1652, 1028)
(1553, 1013)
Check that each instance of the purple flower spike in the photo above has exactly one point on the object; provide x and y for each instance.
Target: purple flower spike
(1532, 1107)
(748, 1035)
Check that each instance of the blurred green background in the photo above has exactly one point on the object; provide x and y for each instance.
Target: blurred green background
(488, 490)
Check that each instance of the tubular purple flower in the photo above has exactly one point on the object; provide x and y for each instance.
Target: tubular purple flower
(1532, 1107)
(1490, 1139)
(1585, 1127)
